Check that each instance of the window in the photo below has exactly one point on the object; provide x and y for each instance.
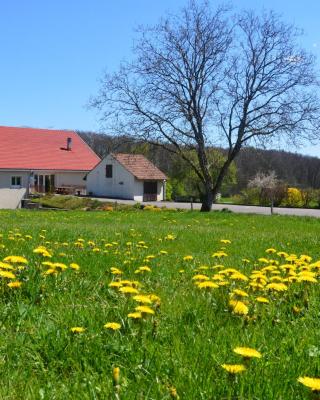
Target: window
(16, 181)
(109, 171)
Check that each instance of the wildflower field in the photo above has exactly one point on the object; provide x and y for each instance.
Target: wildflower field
(159, 305)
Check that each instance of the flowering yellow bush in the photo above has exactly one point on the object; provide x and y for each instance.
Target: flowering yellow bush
(294, 197)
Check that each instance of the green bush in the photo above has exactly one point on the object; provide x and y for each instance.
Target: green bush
(168, 190)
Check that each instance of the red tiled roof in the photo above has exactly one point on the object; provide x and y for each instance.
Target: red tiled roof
(139, 166)
(43, 149)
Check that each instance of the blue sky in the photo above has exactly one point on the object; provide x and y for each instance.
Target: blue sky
(54, 52)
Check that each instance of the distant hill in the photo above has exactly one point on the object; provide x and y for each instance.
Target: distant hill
(295, 169)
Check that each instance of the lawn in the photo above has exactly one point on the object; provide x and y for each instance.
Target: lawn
(197, 301)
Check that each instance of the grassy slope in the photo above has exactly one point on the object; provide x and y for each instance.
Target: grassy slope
(194, 331)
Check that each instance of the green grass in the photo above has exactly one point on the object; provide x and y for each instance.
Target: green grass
(191, 334)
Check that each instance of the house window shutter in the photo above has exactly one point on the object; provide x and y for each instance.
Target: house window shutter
(109, 171)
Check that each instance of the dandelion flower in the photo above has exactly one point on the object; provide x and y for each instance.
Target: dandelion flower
(234, 368)
(187, 258)
(144, 310)
(225, 241)
(15, 259)
(77, 329)
(128, 290)
(262, 300)
(112, 325)
(312, 383)
(278, 287)
(239, 307)
(239, 292)
(247, 352)
(5, 266)
(271, 251)
(7, 274)
(142, 298)
(14, 285)
(116, 375)
(115, 284)
(135, 315)
(207, 285)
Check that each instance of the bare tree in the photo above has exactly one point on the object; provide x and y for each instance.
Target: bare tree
(203, 78)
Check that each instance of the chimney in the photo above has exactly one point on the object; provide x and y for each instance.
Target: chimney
(69, 143)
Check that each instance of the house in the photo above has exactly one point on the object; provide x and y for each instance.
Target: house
(127, 176)
(43, 160)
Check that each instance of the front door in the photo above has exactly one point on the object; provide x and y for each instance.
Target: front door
(150, 191)
(44, 183)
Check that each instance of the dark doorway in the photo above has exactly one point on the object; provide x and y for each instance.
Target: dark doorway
(150, 191)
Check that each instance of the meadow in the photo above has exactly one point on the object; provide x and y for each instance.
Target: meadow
(158, 305)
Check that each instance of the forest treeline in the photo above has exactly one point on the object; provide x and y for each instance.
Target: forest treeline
(293, 169)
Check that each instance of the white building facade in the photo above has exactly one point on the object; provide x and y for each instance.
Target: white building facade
(126, 176)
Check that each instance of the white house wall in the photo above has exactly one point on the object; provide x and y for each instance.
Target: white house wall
(121, 185)
(69, 179)
(160, 194)
(138, 190)
(5, 178)
(61, 178)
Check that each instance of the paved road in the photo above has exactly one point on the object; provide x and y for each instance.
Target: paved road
(237, 209)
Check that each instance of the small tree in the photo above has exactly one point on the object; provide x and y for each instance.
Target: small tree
(270, 188)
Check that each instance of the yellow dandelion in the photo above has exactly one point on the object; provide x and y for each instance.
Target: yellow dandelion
(239, 292)
(154, 298)
(207, 285)
(74, 266)
(7, 274)
(77, 329)
(239, 307)
(15, 260)
(128, 290)
(234, 368)
(188, 258)
(14, 285)
(112, 325)
(6, 266)
(50, 271)
(278, 287)
(312, 383)
(116, 375)
(237, 276)
(247, 352)
(60, 266)
(271, 251)
(142, 298)
(282, 254)
(135, 315)
(115, 284)
(262, 300)
(145, 310)
(116, 271)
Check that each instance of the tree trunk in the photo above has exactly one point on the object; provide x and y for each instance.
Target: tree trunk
(207, 200)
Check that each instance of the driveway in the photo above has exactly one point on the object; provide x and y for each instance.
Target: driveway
(302, 212)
